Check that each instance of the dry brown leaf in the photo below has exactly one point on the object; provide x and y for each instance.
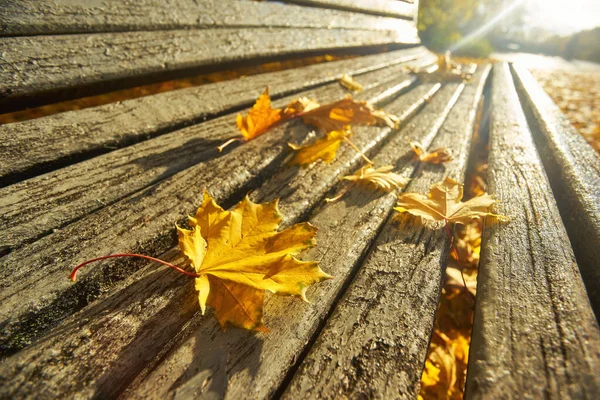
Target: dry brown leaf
(323, 149)
(445, 365)
(260, 118)
(239, 254)
(467, 241)
(443, 204)
(349, 83)
(437, 156)
(381, 178)
(335, 116)
(302, 104)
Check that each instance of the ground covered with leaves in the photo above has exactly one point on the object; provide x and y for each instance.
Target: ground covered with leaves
(577, 93)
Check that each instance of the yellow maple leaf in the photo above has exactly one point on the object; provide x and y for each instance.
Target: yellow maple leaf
(444, 204)
(349, 83)
(323, 149)
(260, 117)
(335, 116)
(437, 156)
(239, 254)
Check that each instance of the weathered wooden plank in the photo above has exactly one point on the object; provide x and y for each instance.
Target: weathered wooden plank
(131, 338)
(30, 17)
(39, 144)
(141, 222)
(573, 169)
(35, 66)
(36, 206)
(346, 229)
(378, 7)
(534, 332)
(375, 343)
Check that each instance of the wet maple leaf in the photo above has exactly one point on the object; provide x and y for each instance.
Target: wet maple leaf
(260, 117)
(349, 83)
(239, 254)
(323, 149)
(335, 116)
(444, 204)
(437, 156)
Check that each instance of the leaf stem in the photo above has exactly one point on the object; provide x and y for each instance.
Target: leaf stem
(227, 143)
(73, 275)
(457, 259)
(358, 150)
(341, 194)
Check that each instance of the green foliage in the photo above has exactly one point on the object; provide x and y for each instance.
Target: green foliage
(477, 48)
(442, 23)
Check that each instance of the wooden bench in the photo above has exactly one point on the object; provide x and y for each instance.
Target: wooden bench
(115, 178)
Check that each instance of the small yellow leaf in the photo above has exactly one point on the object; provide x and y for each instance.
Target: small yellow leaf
(260, 117)
(349, 83)
(443, 204)
(239, 254)
(323, 149)
(437, 156)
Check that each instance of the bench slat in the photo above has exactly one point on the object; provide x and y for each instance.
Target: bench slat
(115, 319)
(376, 340)
(31, 17)
(36, 145)
(40, 68)
(36, 206)
(391, 8)
(534, 331)
(573, 169)
(346, 229)
(141, 222)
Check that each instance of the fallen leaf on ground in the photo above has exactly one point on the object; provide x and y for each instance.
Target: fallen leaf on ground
(443, 204)
(437, 156)
(467, 241)
(445, 366)
(323, 149)
(260, 117)
(335, 116)
(349, 83)
(239, 254)
(454, 277)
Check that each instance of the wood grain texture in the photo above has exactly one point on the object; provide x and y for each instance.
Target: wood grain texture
(35, 293)
(378, 7)
(375, 343)
(30, 17)
(131, 325)
(245, 366)
(573, 169)
(534, 332)
(36, 206)
(39, 144)
(33, 67)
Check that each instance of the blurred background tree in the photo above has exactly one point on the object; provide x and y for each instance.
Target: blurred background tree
(443, 24)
